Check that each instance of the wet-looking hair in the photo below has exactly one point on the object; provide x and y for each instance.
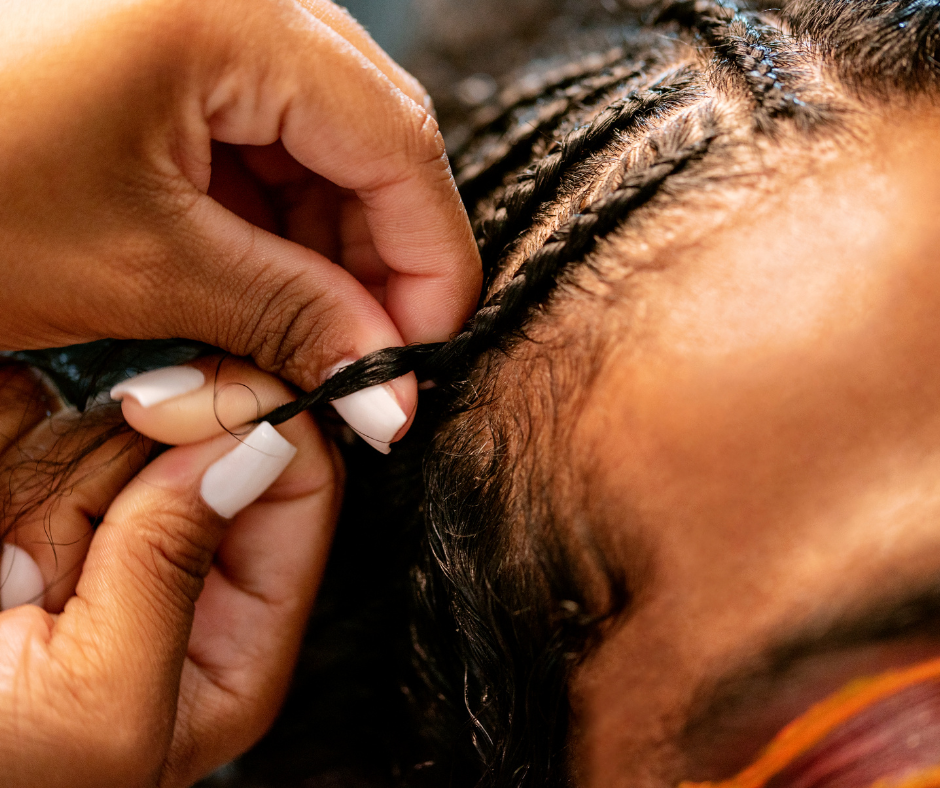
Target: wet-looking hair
(577, 176)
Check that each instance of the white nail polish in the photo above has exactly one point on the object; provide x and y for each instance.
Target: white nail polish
(21, 581)
(373, 413)
(242, 475)
(159, 385)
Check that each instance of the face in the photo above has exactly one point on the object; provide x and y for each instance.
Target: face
(768, 438)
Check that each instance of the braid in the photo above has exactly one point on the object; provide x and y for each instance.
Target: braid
(505, 589)
(750, 48)
(476, 176)
(529, 288)
(497, 116)
(538, 184)
(577, 237)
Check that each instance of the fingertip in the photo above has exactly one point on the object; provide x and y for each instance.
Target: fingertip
(159, 385)
(21, 580)
(379, 414)
(241, 476)
(219, 396)
(434, 309)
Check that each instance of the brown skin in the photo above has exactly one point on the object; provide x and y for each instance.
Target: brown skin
(118, 217)
(770, 435)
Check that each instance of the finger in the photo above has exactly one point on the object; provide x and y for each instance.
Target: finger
(61, 477)
(122, 638)
(251, 616)
(180, 405)
(25, 400)
(358, 130)
(206, 398)
(340, 20)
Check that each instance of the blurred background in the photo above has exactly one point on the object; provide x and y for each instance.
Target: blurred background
(392, 23)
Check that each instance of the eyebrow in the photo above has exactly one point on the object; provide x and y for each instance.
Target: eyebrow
(916, 613)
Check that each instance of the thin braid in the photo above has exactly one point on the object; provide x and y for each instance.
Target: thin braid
(529, 288)
(750, 47)
(519, 202)
(577, 237)
(497, 115)
(477, 176)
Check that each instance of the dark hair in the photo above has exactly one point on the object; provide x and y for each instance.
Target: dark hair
(511, 593)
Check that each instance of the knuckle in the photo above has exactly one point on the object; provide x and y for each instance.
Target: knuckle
(175, 557)
(418, 152)
(293, 327)
(424, 138)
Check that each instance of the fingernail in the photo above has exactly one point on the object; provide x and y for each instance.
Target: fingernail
(159, 385)
(242, 475)
(373, 413)
(21, 581)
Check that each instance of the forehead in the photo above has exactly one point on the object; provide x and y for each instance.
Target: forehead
(769, 431)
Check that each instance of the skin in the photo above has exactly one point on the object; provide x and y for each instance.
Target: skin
(254, 174)
(769, 433)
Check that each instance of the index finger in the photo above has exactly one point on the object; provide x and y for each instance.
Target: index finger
(356, 128)
(343, 23)
(134, 603)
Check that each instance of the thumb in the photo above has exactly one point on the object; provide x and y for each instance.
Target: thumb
(130, 619)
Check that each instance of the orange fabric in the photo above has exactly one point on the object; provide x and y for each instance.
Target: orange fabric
(806, 731)
(930, 778)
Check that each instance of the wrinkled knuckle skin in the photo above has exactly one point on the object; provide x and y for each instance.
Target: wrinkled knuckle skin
(418, 154)
(427, 141)
(289, 336)
(177, 557)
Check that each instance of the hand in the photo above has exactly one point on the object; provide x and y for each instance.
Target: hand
(116, 220)
(178, 629)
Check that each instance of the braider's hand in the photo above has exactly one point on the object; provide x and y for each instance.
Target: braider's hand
(170, 632)
(255, 174)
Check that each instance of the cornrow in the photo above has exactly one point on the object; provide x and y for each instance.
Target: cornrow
(529, 288)
(498, 115)
(519, 202)
(753, 51)
(476, 176)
